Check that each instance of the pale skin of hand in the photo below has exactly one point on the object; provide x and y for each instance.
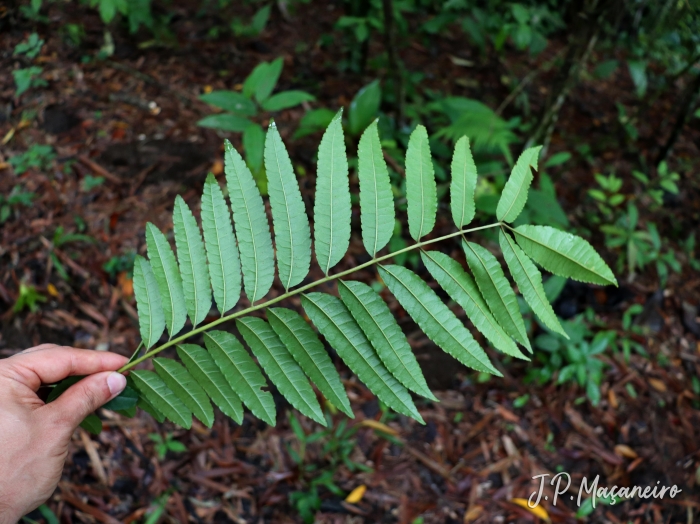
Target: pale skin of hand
(34, 436)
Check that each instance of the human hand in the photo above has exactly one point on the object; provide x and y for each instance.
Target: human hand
(34, 436)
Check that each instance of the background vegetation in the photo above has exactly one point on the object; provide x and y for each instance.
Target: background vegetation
(112, 107)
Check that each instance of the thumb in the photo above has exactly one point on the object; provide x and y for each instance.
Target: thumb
(84, 397)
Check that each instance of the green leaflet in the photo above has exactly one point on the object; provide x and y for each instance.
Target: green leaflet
(186, 388)
(529, 281)
(252, 227)
(193, 262)
(463, 184)
(335, 322)
(148, 408)
(279, 365)
(160, 397)
(497, 291)
(242, 373)
(291, 225)
(564, 254)
(168, 278)
(332, 201)
(515, 191)
(376, 321)
(148, 303)
(461, 288)
(435, 318)
(308, 351)
(421, 190)
(222, 253)
(376, 198)
(205, 371)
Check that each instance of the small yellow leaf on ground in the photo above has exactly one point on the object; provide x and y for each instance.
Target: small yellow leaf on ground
(125, 284)
(52, 290)
(657, 384)
(217, 167)
(356, 494)
(369, 423)
(8, 136)
(625, 451)
(538, 511)
(208, 89)
(612, 399)
(472, 514)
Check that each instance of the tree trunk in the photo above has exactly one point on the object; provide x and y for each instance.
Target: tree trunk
(688, 100)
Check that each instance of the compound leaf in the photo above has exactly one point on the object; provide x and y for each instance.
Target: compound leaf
(202, 367)
(186, 388)
(308, 351)
(161, 398)
(291, 225)
(335, 322)
(421, 190)
(222, 253)
(280, 366)
(242, 373)
(332, 210)
(193, 262)
(461, 288)
(515, 191)
(374, 317)
(529, 281)
(148, 302)
(463, 184)
(497, 291)
(564, 254)
(376, 198)
(435, 318)
(252, 227)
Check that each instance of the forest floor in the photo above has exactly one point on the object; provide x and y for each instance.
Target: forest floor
(132, 120)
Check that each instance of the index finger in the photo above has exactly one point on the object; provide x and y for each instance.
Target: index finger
(46, 365)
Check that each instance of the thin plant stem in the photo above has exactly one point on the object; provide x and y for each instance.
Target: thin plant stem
(289, 294)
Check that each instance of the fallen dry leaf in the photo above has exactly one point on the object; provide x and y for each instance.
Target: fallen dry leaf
(356, 494)
(657, 384)
(369, 423)
(538, 511)
(625, 451)
(472, 514)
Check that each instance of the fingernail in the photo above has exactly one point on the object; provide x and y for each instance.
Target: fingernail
(116, 382)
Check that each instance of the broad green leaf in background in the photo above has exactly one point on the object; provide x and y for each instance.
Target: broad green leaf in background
(421, 190)
(463, 184)
(148, 303)
(314, 121)
(290, 223)
(252, 227)
(242, 373)
(193, 262)
(253, 144)
(376, 321)
(280, 366)
(435, 318)
(341, 331)
(364, 107)
(186, 388)
(168, 278)
(529, 281)
(160, 397)
(515, 192)
(564, 254)
(461, 288)
(202, 367)
(222, 253)
(332, 210)
(286, 99)
(308, 351)
(230, 101)
(376, 198)
(225, 122)
(497, 291)
(262, 80)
